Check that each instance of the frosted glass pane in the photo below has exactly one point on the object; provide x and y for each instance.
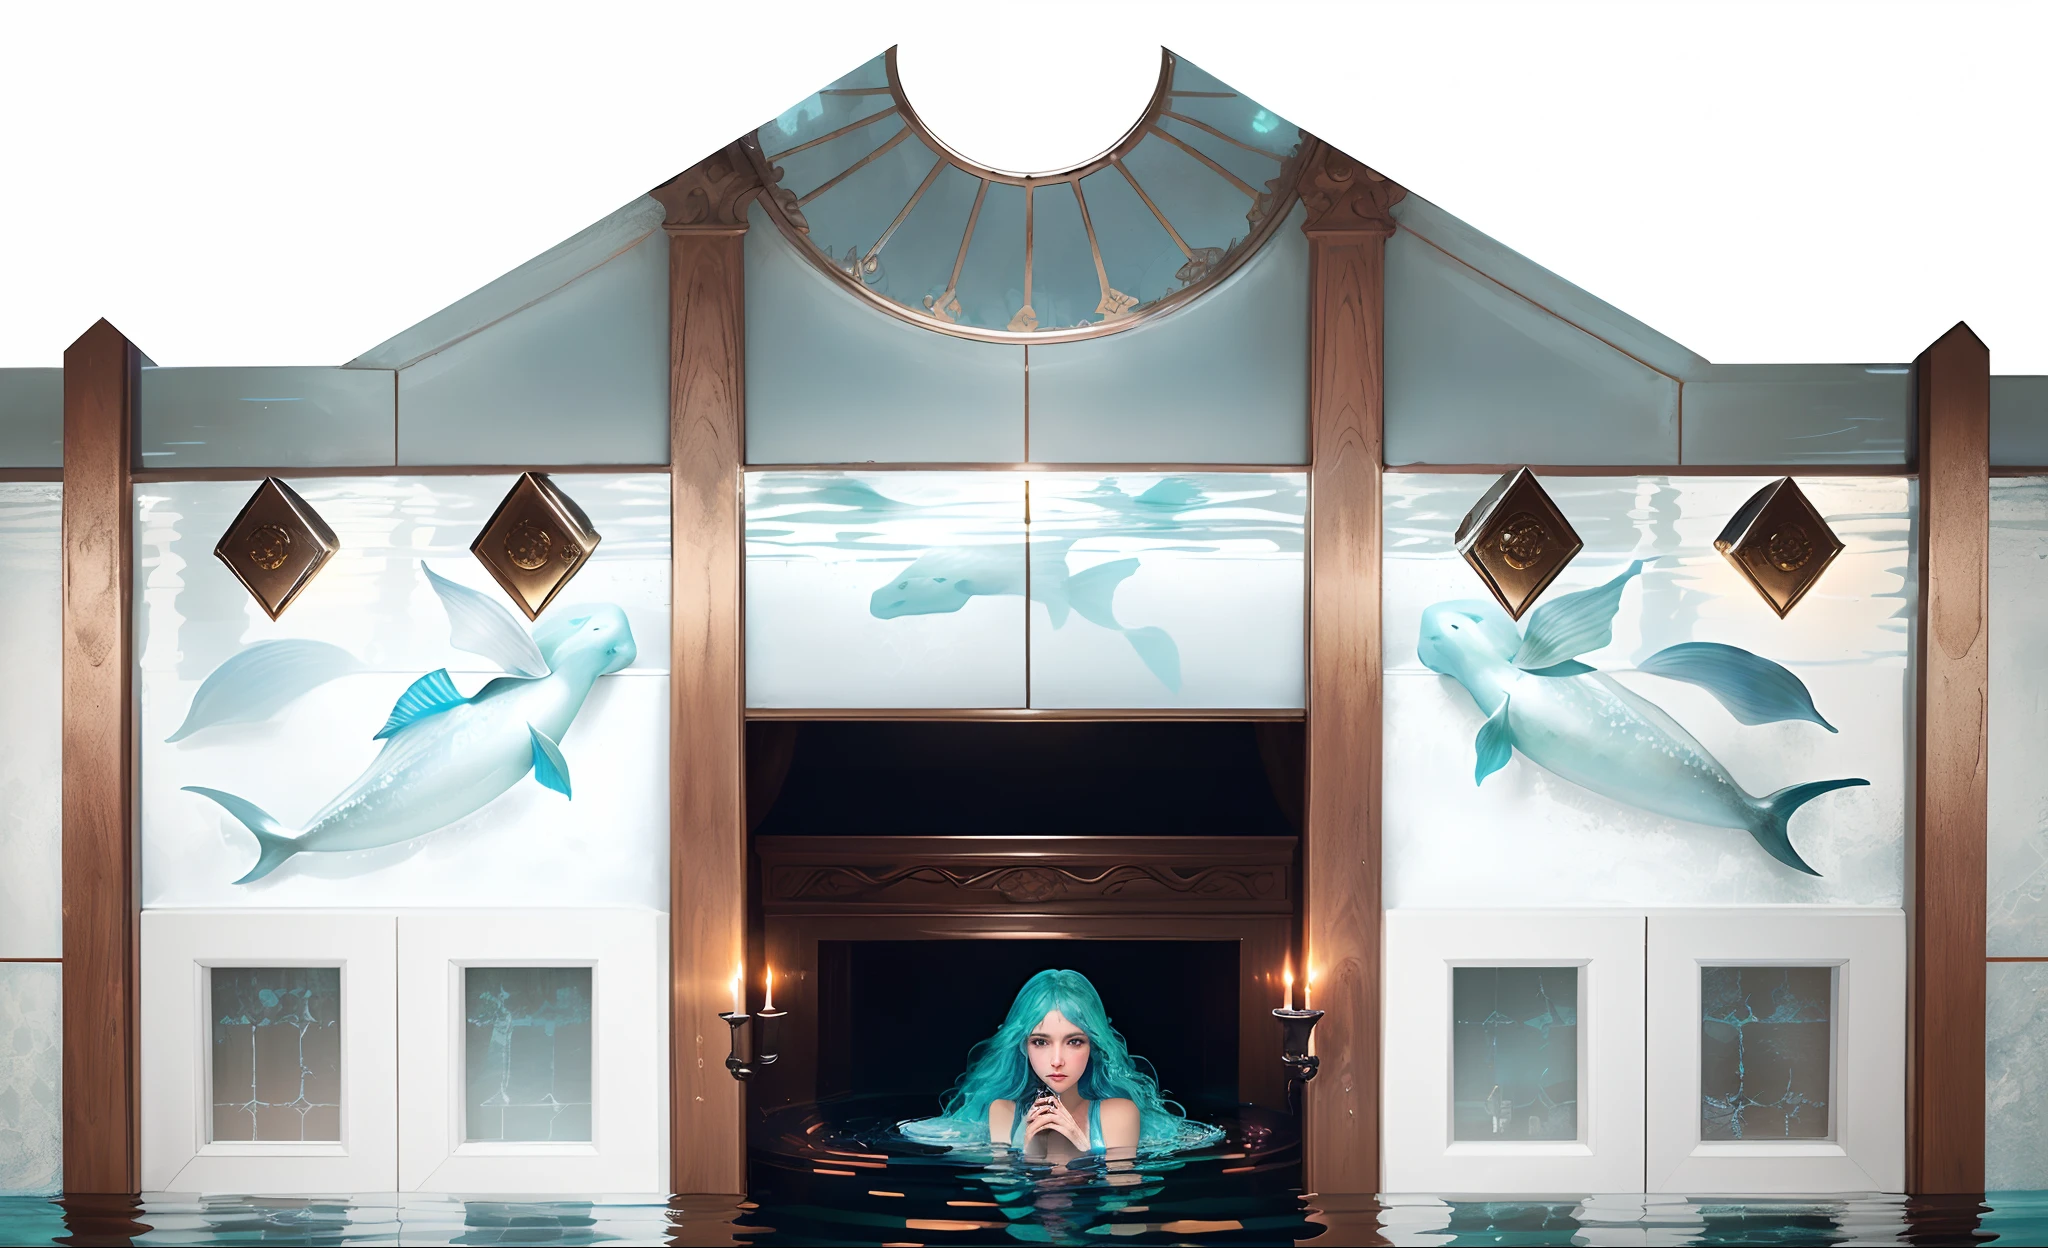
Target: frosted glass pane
(831, 381)
(31, 1074)
(526, 1055)
(579, 378)
(31, 725)
(1800, 414)
(2015, 1071)
(1514, 1053)
(463, 821)
(2017, 835)
(1595, 825)
(266, 417)
(1766, 1052)
(1182, 590)
(31, 417)
(1223, 380)
(1476, 374)
(276, 1053)
(2019, 422)
(873, 589)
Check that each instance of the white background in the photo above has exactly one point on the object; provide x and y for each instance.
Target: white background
(272, 184)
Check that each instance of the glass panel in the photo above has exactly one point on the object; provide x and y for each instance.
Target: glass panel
(1766, 1052)
(1514, 1053)
(31, 1072)
(2015, 1071)
(31, 417)
(804, 172)
(1154, 590)
(849, 219)
(289, 737)
(526, 1064)
(580, 377)
(1200, 95)
(2017, 836)
(2019, 422)
(991, 287)
(266, 417)
(1141, 258)
(916, 262)
(921, 397)
(1799, 414)
(1202, 205)
(885, 589)
(31, 727)
(1587, 819)
(1064, 288)
(276, 1053)
(1476, 374)
(1223, 380)
(862, 93)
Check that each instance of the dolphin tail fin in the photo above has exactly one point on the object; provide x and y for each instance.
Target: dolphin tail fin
(273, 846)
(1093, 593)
(1160, 655)
(1775, 811)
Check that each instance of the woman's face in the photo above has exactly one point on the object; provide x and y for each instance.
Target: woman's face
(1058, 1051)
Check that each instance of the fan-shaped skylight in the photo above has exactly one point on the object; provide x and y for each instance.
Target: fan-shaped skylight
(1196, 185)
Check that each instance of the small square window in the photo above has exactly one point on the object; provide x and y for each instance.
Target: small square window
(276, 1053)
(1514, 1053)
(1766, 1052)
(527, 1055)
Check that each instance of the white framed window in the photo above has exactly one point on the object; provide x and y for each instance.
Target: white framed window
(1513, 1052)
(1776, 1051)
(533, 1051)
(268, 1047)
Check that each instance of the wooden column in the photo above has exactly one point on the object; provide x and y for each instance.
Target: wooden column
(102, 372)
(707, 226)
(1348, 226)
(1945, 1045)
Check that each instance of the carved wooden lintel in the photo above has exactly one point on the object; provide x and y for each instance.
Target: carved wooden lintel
(712, 195)
(1109, 875)
(1344, 196)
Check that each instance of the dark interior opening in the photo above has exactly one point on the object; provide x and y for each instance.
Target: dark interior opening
(895, 778)
(899, 1016)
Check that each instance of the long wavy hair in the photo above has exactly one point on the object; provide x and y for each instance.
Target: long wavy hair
(998, 1068)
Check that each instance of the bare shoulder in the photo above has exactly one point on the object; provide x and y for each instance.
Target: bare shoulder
(1001, 1114)
(1119, 1109)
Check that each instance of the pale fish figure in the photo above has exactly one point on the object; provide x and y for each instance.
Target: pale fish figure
(1586, 727)
(446, 756)
(943, 581)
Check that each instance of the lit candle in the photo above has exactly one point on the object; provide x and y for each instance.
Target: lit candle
(1287, 987)
(738, 1004)
(768, 1001)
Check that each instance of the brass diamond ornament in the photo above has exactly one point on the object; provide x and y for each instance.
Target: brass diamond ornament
(1780, 544)
(276, 546)
(1517, 540)
(535, 542)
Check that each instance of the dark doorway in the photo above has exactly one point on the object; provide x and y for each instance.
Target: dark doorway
(898, 1017)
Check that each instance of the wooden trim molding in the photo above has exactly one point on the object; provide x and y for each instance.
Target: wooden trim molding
(1945, 1039)
(102, 1126)
(706, 226)
(1348, 225)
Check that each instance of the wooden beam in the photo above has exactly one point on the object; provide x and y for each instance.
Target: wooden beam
(102, 1124)
(1348, 225)
(706, 225)
(1945, 1076)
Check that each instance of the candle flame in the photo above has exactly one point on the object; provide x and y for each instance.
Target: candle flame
(738, 978)
(1287, 979)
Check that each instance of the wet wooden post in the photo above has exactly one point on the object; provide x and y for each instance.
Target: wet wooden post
(1348, 225)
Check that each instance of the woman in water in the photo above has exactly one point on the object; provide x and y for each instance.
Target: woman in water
(1056, 1082)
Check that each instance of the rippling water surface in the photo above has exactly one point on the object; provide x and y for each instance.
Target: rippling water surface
(848, 1177)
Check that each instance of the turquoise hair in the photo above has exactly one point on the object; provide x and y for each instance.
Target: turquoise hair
(999, 1070)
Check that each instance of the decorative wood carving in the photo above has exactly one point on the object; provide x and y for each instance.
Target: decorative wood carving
(1348, 228)
(1945, 1075)
(1094, 875)
(102, 373)
(1345, 196)
(713, 194)
(707, 804)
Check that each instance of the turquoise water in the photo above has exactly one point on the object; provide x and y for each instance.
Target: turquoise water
(2001, 1217)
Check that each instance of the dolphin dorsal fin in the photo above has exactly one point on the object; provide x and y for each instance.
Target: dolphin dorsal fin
(1567, 627)
(429, 695)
